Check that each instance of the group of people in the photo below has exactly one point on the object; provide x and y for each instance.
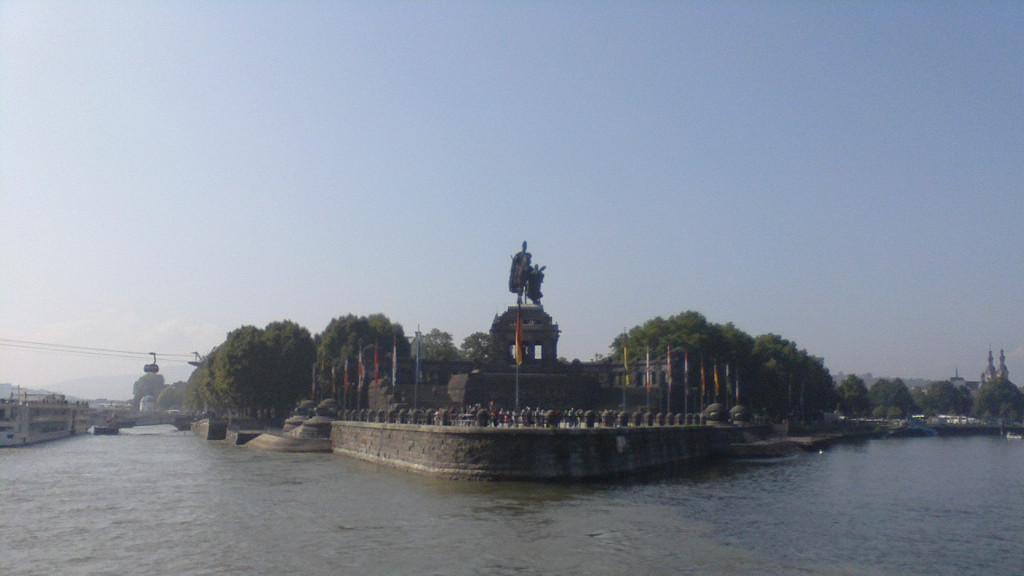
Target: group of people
(479, 414)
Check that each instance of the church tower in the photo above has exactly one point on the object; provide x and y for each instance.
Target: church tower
(990, 370)
(1003, 371)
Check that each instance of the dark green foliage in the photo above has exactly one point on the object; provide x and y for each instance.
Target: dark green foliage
(171, 397)
(147, 385)
(891, 399)
(345, 336)
(853, 397)
(255, 372)
(773, 375)
(476, 348)
(944, 398)
(999, 398)
(439, 346)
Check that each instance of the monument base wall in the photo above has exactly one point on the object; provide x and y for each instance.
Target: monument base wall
(554, 391)
(545, 454)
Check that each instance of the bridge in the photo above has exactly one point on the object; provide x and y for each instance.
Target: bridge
(132, 418)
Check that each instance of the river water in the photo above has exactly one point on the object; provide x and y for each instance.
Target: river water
(157, 501)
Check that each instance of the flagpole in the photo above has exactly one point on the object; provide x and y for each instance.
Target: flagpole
(737, 387)
(519, 347)
(647, 378)
(359, 378)
(728, 387)
(312, 391)
(625, 367)
(686, 384)
(668, 355)
(703, 385)
(416, 381)
(344, 387)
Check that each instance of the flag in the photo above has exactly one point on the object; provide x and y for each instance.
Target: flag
(715, 374)
(668, 356)
(686, 371)
(728, 383)
(360, 371)
(394, 361)
(376, 373)
(418, 339)
(344, 378)
(625, 360)
(334, 379)
(703, 380)
(647, 371)
(519, 336)
(312, 392)
(737, 387)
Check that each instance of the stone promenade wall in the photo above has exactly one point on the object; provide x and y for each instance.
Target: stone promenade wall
(555, 454)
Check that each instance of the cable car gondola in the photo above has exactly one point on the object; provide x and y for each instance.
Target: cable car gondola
(151, 368)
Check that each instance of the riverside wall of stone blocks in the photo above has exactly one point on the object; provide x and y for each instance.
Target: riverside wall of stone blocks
(552, 454)
(210, 428)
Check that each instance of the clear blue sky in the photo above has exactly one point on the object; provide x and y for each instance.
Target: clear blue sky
(845, 174)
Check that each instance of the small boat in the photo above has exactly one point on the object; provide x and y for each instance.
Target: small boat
(110, 427)
(913, 430)
(1014, 436)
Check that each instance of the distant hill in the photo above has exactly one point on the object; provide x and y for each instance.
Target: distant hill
(7, 389)
(870, 379)
(106, 387)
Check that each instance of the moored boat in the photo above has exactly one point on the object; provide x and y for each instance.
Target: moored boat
(31, 418)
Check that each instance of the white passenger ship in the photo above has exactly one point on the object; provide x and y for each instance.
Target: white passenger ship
(30, 418)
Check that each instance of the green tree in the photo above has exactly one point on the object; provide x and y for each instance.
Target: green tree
(201, 392)
(999, 398)
(477, 348)
(147, 385)
(944, 397)
(240, 370)
(346, 336)
(773, 375)
(291, 354)
(439, 346)
(791, 380)
(892, 397)
(853, 397)
(172, 397)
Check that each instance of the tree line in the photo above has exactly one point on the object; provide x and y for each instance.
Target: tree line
(266, 371)
(769, 374)
(891, 398)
